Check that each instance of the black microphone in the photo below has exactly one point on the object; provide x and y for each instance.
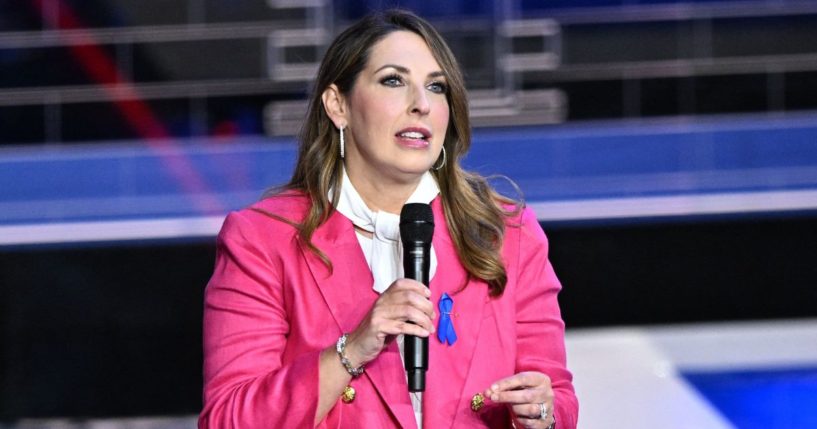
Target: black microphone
(416, 230)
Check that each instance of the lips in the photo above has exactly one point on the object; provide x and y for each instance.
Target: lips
(414, 136)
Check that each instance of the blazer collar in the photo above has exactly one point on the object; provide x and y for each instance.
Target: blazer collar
(336, 239)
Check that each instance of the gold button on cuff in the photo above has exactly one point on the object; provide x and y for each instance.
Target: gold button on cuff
(348, 394)
(477, 402)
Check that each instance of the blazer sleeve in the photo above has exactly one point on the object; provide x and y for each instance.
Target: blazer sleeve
(246, 383)
(540, 329)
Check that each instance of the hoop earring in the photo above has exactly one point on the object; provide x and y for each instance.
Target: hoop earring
(342, 144)
(435, 168)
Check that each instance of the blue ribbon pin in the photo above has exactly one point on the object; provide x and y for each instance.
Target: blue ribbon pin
(445, 329)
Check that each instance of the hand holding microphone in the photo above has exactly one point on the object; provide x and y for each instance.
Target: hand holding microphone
(404, 308)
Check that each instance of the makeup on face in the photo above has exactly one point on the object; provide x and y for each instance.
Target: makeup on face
(398, 111)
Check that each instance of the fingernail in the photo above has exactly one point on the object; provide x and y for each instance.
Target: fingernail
(494, 387)
(494, 397)
(428, 293)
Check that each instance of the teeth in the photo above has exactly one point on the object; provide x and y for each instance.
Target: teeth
(412, 135)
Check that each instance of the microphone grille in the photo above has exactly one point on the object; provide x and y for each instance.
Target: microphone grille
(416, 222)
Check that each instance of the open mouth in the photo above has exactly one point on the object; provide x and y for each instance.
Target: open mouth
(417, 135)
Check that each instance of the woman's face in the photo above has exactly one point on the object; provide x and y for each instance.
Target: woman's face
(397, 112)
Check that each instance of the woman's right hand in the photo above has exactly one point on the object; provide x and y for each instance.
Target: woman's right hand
(404, 308)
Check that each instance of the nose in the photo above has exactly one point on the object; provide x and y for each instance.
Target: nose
(419, 102)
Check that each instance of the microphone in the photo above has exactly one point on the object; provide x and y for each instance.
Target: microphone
(416, 230)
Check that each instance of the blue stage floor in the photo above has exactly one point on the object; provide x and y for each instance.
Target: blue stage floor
(701, 376)
(778, 398)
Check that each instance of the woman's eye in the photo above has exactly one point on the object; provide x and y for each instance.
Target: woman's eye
(392, 80)
(438, 87)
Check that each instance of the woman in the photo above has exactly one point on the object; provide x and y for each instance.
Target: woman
(306, 310)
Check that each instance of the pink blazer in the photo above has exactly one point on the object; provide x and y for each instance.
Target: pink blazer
(272, 305)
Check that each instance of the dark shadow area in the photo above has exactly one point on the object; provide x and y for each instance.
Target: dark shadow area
(102, 331)
(674, 272)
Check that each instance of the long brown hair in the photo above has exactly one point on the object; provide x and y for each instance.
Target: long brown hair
(475, 213)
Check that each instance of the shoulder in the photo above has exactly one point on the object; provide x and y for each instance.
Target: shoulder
(290, 205)
(274, 215)
(522, 230)
(522, 218)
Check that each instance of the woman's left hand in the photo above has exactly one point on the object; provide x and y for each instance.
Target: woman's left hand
(525, 392)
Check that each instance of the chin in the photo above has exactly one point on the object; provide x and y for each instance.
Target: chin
(413, 171)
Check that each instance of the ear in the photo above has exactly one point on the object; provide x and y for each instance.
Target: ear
(334, 103)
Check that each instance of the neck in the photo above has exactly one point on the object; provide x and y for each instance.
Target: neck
(381, 194)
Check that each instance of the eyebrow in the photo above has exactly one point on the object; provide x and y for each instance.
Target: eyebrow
(405, 70)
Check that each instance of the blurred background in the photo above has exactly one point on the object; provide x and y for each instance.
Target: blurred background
(669, 149)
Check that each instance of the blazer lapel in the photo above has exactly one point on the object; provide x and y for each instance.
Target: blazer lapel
(449, 365)
(346, 286)
(388, 375)
(347, 291)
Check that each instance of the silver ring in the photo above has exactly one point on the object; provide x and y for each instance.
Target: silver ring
(543, 411)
